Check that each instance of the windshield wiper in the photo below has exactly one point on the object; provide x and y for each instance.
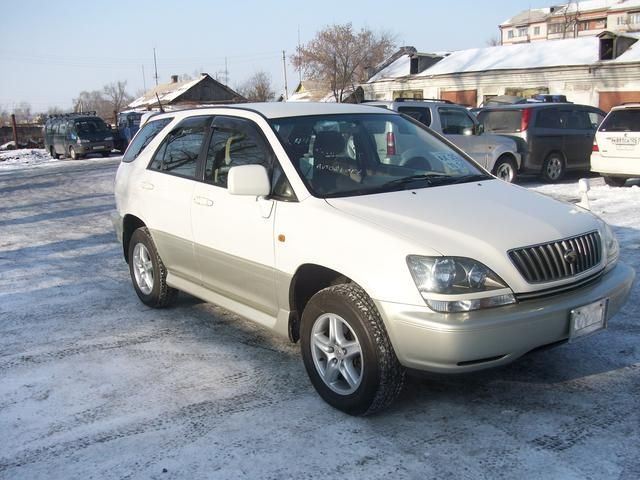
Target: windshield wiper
(428, 177)
(470, 178)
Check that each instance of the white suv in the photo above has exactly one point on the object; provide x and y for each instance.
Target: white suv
(286, 214)
(496, 153)
(616, 146)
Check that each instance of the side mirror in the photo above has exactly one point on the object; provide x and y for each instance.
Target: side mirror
(250, 180)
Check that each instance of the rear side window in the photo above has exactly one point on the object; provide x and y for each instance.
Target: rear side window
(143, 138)
(622, 121)
(548, 118)
(178, 153)
(455, 121)
(501, 120)
(575, 120)
(423, 115)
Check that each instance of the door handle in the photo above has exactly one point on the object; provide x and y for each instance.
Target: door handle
(147, 185)
(205, 202)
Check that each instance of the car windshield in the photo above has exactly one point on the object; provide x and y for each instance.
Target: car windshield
(359, 154)
(90, 125)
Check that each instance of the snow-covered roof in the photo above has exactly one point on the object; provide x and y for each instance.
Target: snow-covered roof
(553, 53)
(532, 15)
(167, 92)
(399, 68)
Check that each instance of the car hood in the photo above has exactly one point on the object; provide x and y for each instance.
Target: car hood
(480, 220)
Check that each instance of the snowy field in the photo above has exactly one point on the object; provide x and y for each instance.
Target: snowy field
(93, 384)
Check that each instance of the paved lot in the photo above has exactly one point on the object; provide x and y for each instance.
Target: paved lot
(95, 385)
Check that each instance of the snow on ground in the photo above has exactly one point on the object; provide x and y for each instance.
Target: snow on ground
(93, 384)
(12, 159)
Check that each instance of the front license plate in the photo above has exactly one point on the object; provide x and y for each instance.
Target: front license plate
(588, 319)
(98, 148)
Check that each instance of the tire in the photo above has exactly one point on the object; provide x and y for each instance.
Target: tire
(553, 169)
(615, 181)
(347, 352)
(148, 273)
(506, 169)
(72, 154)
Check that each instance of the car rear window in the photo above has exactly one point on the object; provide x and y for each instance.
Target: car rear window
(622, 121)
(501, 120)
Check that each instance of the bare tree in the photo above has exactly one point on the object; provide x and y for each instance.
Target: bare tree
(258, 88)
(570, 15)
(340, 56)
(116, 95)
(493, 42)
(22, 111)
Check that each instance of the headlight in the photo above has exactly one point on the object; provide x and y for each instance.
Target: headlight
(457, 284)
(611, 246)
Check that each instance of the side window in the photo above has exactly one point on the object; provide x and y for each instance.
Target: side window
(63, 128)
(178, 153)
(455, 121)
(234, 141)
(595, 119)
(423, 115)
(548, 118)
(143, 138)
(576, 120)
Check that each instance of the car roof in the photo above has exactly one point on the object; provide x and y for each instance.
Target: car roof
(521, 106)
(626, 106)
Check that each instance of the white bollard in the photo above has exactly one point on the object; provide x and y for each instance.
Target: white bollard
(583, 188)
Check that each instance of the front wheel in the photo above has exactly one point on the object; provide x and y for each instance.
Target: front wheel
(553, 168)
(505, 169)
(148, 273)
(73, 154)
(347, 352)
(615, 181)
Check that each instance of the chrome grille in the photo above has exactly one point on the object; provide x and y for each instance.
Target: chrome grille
(557, 260)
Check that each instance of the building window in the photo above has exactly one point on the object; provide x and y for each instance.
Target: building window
(555, 28)
(621, 20)
(634, 18)
(522, 32)
(510, 34)
(596, 24)
(536, 30)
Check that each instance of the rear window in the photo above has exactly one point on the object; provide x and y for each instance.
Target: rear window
(501, 120)
(622, 121)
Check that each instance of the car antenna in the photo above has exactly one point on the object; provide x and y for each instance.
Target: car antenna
(159, 103)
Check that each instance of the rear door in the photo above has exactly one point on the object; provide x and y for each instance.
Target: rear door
(547, 134)
(577, 137)
(166, 191)
(459, 127)
(619, 134)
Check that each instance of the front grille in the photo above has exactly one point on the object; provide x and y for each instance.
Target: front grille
(558, 260)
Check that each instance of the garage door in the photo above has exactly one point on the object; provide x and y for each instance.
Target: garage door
(463, 97)
(611, 99)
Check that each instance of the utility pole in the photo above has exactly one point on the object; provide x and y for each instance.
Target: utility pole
(14, 127)
(144, 81)
(226, 72)
(284, 66)
(155, 65)
(299, 47)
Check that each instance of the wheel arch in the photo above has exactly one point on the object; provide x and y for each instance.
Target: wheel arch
(130, 223)
(308, 280)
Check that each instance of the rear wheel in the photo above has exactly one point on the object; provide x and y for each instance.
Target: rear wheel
(553, 168)
(506, 169)
(615, 181)
(148, 273)
(347, 352)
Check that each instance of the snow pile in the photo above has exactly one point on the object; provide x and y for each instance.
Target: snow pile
(25, 157)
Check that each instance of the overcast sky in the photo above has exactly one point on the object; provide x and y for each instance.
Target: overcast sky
(50, 50)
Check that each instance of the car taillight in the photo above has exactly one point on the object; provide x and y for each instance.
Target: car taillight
(595, 147)
(526, 113)
(391, 144)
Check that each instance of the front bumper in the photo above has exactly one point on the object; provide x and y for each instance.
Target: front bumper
(97, 147)
(461, 342)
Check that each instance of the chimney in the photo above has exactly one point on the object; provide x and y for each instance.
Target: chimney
(174, 78)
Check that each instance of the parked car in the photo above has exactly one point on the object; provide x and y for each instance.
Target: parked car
(554, 137)
(76, 135)
(128, 125)
(496, 153)
(286, 214)
(616, 147)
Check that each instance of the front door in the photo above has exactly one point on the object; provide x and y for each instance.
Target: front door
(233, 234)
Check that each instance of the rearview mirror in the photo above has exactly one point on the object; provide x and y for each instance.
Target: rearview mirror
(250, 180)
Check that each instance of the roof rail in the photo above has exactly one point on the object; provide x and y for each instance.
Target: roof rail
(72, 114)
(407, 99)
